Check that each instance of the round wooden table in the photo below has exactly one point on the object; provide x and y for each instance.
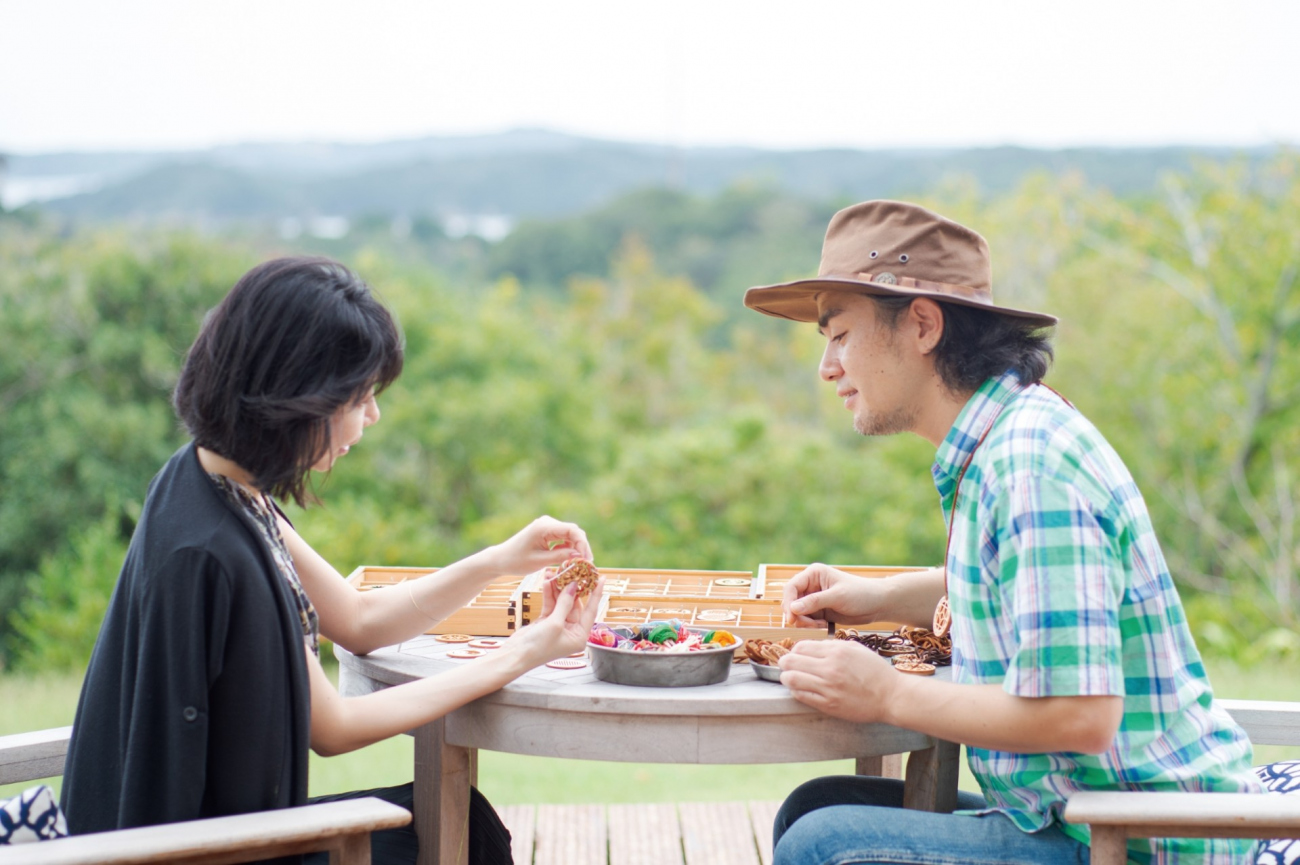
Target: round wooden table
(570, 713)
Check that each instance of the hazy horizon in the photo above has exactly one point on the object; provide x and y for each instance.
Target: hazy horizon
(578, 136)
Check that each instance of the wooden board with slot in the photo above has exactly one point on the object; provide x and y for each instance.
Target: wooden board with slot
(650, 583)
(492, 613)
(772, 580)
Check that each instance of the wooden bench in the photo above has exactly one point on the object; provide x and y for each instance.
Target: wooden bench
(1114, 817)
(342, 828)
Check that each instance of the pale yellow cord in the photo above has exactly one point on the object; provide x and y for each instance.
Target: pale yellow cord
(410, 593)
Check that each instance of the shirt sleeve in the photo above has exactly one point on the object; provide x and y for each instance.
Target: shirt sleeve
(1059, 575)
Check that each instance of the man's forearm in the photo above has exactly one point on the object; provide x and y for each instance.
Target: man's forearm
(986, 716)
(910, 597)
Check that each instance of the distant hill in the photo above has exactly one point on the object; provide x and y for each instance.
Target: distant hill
(526, 174)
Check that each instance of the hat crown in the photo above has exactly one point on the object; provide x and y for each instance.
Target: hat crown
(905, 240)
(893, 249)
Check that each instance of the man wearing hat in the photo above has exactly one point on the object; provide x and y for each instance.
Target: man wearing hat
(1073, 667)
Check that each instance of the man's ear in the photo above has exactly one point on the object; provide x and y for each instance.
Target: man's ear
(927, 318)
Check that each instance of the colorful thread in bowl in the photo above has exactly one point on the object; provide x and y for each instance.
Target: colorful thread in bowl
(664, 654)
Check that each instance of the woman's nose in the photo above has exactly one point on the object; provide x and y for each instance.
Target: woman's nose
(372, 411)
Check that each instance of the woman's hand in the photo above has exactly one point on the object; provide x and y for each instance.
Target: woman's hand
(543, 542)
(563, 627)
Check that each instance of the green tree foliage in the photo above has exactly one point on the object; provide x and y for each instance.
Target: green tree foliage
(91, 335)
(1213, 315)
(730, 494)
(56, 624)
(615, 379)
(745, 235)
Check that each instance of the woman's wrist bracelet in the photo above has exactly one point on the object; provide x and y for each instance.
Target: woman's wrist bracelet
(410, 593)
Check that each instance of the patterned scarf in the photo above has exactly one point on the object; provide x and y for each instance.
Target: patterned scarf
(263, 512)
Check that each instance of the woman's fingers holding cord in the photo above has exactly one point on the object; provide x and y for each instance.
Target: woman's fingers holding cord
(543, 542)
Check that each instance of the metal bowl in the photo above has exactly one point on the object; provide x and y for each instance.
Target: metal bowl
(768, 672)
(661, 669)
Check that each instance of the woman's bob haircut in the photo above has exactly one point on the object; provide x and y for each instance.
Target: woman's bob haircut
(294, 340)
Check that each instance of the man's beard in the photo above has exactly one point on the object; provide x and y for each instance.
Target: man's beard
(897, 421)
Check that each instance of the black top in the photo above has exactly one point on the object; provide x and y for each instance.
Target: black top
(196, 702)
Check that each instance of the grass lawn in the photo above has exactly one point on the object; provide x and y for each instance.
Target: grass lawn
(34, 703)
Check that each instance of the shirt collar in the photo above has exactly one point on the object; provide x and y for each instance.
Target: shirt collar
(957, 447)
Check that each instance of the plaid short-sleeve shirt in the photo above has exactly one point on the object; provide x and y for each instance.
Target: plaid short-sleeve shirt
(1058, 587)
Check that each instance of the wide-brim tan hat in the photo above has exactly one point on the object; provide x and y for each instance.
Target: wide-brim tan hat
(894, 249)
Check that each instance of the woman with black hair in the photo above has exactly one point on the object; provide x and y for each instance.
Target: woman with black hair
(205, 688)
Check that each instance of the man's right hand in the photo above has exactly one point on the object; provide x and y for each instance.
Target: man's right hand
(820, 592)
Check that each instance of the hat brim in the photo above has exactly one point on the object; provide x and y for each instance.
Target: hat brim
(797, 300)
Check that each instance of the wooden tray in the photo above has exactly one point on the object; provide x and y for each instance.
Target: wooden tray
(492, 613)
(772, 579)
(650, 583)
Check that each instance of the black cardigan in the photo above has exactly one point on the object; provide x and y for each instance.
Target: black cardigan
(196, 702)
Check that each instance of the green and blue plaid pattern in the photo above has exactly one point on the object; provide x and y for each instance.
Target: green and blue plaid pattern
(1058, 587)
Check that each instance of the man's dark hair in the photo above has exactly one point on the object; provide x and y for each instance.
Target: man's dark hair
(979, 343)
(293, 341)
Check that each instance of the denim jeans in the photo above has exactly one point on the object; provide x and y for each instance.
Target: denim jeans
(855, 819)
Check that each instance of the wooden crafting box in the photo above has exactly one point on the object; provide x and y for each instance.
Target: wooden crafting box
(644, 593)
(492, 613)
(649, 583)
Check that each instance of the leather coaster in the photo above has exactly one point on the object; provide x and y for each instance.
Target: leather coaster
(567, 664)
(916, 668)
(453, 638)
(466, 653)
(717, 615)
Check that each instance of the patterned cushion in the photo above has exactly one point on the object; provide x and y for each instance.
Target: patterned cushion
(32, 815)
(1281, 777)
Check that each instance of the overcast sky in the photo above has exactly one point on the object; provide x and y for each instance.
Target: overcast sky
(152, 74)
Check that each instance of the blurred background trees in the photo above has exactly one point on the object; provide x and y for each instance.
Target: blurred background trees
(600, 367)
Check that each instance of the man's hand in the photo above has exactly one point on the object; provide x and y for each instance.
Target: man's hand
(849, 681)
(839, 677)
(820, 592)
(543, 542)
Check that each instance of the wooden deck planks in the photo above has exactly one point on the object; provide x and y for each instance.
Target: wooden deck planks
(692, 833)
(644, 834)
(521, 820)
(570, 835)
(761, 817)
(717, 833)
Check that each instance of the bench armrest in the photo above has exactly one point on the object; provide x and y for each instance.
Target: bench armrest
(1189, 815)
(1114, 817)
(1266, 722)
(343, 826)
(28, 756)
